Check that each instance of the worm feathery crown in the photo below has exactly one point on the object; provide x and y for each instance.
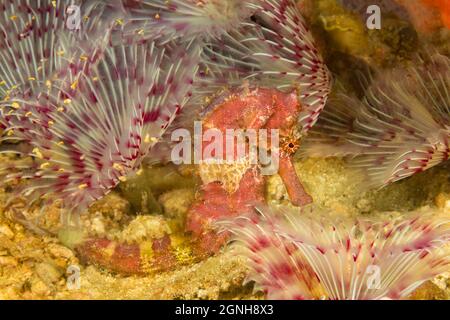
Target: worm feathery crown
(309, 255)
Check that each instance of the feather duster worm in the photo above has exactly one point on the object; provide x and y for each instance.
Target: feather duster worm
(401, 127)
(308, 255)
(27, 43)
(91, 127)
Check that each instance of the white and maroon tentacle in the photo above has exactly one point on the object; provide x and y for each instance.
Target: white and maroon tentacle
(349, 255)
(310, 255)
(276, 266)
(164, 21)
(275, 49)
(400, 128)
(91, 132)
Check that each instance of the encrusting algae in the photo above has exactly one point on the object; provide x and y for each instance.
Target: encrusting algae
(87, 119)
